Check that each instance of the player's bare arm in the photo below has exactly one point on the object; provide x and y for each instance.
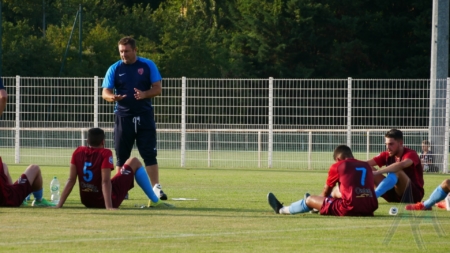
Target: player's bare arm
(372, 163)
(69, 186)
(395, 167)
(108, 95)
(6, 171)
(106, 188)
(326, 191)
(3, 99)
(156, 90)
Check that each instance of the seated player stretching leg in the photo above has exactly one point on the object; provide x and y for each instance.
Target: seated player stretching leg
(404, 179)
(12, 195)
(437, 195)
(93, 165)
(355, 182)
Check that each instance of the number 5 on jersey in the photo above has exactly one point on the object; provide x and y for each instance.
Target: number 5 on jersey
(87, 173)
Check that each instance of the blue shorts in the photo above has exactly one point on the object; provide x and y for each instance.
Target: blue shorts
(141, 129)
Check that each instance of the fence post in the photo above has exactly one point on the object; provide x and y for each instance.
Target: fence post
(259, 149)
(368, 144)
(209, 148)
(446, 133)
(183, 121)
(83, 137)
(309, 149)
(349, 112)
(270, 146)
(95, 101)
(17, 137)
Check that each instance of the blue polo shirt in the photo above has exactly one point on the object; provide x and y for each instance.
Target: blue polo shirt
(123, 78)
(1, 85)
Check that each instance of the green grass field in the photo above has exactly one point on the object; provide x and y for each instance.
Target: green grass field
(194, 159)
(230, 214)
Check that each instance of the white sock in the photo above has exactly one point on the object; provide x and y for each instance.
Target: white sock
(285, 210)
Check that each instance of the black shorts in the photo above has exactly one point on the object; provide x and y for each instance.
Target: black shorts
(141, 129)
(413, 194)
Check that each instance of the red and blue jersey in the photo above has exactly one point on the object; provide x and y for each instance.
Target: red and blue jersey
(414, 172)
(123, 78)
(355, 179)
(89, 163)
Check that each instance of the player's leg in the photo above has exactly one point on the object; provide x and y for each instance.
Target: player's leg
(315, 202)
(444, 204)
(34, 176)
(141, 177)
(146, 143)
(124, 136)
(300, 206)
(437, 195)
(304, 205)
(121, 183)
(6, 172)
(386, 183)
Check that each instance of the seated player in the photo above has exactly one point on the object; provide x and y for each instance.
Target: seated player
(437, 195)
(93, 165)
(404, 179)
(12, 195)
(355, 182)
(426, 158)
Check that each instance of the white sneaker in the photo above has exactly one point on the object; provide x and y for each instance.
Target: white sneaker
(159, 192)
(157, 189)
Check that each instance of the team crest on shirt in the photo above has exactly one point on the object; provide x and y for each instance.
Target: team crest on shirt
(110, 160)
(141, 71)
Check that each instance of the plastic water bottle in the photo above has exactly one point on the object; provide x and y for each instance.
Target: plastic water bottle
(54, 189)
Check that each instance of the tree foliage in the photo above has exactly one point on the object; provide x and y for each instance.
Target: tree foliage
(230, 39)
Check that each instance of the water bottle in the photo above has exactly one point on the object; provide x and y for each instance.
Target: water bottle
(54, 189)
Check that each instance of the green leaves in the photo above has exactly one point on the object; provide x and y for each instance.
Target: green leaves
(231, 39)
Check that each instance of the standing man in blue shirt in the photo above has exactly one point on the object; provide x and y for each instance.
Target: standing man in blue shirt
(3, 97)
(132, 82)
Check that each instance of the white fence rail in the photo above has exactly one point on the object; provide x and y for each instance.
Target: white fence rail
(226, 122)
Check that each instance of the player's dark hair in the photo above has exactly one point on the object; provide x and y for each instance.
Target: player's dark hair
(95, 136)
(128, 41)
(343, 152)
(394, 134)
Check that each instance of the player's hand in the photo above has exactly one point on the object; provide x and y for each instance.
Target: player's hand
(375, 172)
(118, 97)
(139, 94)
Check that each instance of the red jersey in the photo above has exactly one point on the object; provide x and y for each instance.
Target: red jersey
(414, 172)
(355, 179)
(89, 163)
